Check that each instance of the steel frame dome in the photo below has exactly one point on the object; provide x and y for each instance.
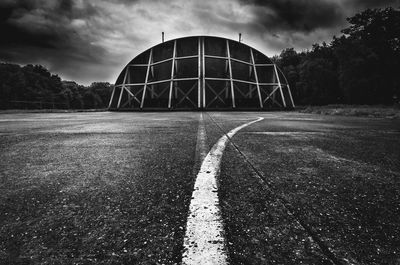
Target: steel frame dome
(201, 73)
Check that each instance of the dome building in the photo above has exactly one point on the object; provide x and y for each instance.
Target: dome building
(201, 73)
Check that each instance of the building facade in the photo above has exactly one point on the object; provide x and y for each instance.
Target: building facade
(201, 73)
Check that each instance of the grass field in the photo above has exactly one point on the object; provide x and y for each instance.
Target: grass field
(114, 188)
(355, 110)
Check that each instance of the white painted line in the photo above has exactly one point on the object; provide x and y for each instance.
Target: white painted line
(204, 241)
(287, 133)
(301, 119)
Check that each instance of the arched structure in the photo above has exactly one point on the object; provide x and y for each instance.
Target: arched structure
(201, 72)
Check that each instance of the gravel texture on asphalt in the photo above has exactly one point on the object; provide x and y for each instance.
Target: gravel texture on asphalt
(106, 188)
(259, 229)
(341, 175)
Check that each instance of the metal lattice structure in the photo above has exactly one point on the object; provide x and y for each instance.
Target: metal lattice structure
(201, 72)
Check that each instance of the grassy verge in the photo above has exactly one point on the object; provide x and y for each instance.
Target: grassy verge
(49, 110)
(390, 112)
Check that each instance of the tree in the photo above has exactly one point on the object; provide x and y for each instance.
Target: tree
(33, 86)
(318, 77)
(103, 90)
(369, 57)
(288, 61)
(360, 67)
(71, 93)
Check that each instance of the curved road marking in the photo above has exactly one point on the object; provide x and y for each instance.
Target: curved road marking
(204, 241)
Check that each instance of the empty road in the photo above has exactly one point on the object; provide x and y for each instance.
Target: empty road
(117, 188)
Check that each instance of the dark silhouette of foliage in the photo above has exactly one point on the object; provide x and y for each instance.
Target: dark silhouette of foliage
(33, 87)
(360, 67)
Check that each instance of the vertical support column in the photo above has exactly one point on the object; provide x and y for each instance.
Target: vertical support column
(172, 75)
(226, 82)
(123, 86)
(112, 96)
(274, 87)
(175, 88)
(120, 97)
(203, 59)
(199, 73)
(147, 78)
(250, 94)
(128, 81)
(290, 94)
(152, 74)
(230, 73)
(256, 77)
(288, 87)
(280, 86)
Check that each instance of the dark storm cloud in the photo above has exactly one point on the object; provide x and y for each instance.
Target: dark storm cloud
(38, 31)
(40, 23)
(363, 4)
(297, 15)
(301, 23)
(17, 35)
(309, 15)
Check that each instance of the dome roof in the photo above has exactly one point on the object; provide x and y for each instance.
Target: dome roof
(201, 72)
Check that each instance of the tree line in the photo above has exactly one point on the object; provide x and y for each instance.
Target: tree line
(34, 87)
(362, 66)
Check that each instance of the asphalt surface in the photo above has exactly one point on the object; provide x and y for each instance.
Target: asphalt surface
(114, 188)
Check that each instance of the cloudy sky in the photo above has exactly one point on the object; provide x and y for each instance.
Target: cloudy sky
(90, 41)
